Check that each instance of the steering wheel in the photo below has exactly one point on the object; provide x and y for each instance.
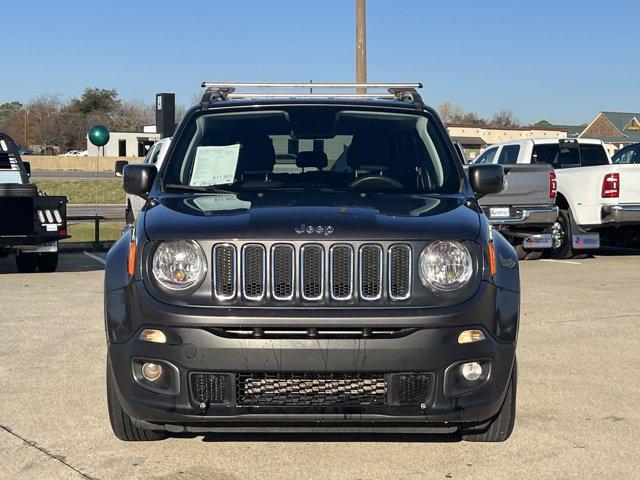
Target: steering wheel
(371, 181)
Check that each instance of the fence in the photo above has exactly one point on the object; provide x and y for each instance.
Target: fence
(83, 164)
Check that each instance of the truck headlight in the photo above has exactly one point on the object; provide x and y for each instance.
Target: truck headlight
(179, 265)
(445, 265)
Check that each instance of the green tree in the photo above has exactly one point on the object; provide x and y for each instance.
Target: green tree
(8, 109)
(95, 100)
(542, 123)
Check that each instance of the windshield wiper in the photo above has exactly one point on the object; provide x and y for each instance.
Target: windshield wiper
(197, 188)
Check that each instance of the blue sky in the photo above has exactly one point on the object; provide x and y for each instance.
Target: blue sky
(558, 60)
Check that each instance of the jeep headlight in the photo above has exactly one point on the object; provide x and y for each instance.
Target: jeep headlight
(179, 265)
(445, 265)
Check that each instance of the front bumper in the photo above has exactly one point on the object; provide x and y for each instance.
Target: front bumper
(428, 346)
(620, 214)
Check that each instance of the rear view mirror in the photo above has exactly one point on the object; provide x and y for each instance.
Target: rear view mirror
(120, 164)
(27, 168)
(139, 178)
(486, 179)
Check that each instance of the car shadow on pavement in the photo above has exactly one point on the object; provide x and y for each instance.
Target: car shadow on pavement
(68, 262)
(326, 437)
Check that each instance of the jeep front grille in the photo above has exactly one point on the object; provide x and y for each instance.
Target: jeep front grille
(371, 272)
(311, 389)
(254, 267)
(282, 271)
(399, 272)
(312, 272)
(341, 272)
(224, 271)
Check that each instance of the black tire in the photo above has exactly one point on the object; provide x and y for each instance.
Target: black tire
(26, 262)
(561, 245)
(501, 426)
(18, 190)
(48, 262)
(121, 423)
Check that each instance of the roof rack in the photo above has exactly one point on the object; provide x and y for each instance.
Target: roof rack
(220, 91)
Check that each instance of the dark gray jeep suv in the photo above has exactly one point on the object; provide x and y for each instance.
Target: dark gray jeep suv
(314, 261)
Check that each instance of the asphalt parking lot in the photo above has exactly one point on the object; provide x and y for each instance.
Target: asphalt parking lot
(577, 395)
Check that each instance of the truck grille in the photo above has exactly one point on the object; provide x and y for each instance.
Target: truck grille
(311, 389)
(312, 272)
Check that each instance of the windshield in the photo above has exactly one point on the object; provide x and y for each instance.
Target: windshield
(313, 147)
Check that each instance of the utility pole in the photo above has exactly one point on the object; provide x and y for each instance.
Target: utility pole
(361, 43)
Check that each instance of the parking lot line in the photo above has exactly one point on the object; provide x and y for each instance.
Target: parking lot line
(571, 262)
(95, 257)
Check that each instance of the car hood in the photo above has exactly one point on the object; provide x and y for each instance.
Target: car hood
(287, 215)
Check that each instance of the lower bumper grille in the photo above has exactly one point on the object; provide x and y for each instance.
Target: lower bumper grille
(311, 389)
(208, 388)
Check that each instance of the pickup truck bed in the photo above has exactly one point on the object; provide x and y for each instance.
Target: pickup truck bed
(524, 212)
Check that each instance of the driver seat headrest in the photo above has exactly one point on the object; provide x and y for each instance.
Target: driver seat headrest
(370, 152)
(257, 155)
(311, 159)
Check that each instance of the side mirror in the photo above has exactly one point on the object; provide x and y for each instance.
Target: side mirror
(27, 168)
(138, 178)
(120, 164)
(486, 179)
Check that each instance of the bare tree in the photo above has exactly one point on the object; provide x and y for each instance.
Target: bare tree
(449, 113)
(504, 118)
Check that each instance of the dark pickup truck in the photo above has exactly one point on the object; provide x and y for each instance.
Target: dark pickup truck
(360, 287)
(31, 224)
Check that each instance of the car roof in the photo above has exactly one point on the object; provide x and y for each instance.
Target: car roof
(548, 141)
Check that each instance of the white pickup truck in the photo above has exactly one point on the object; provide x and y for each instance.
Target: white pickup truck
(595, 197)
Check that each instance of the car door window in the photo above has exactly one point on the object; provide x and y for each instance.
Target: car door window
(156, 154)
(509, 155)
(628, 155)
(592, 155)
(150, 153)
(487, 156)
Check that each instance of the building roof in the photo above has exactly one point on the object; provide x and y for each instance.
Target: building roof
(571, 130)
(475, 141)
(621, 119)
(627, 123)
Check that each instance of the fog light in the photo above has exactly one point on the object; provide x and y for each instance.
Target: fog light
(471, 371)
(151, 371)
(471, 336)
(152, 335)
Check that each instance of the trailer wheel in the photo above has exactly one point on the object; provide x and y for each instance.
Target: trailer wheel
(26, 262)
(48, 262)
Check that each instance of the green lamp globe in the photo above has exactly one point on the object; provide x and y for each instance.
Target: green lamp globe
(99, 135)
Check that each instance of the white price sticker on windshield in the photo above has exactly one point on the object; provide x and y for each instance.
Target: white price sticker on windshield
(215, 165)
